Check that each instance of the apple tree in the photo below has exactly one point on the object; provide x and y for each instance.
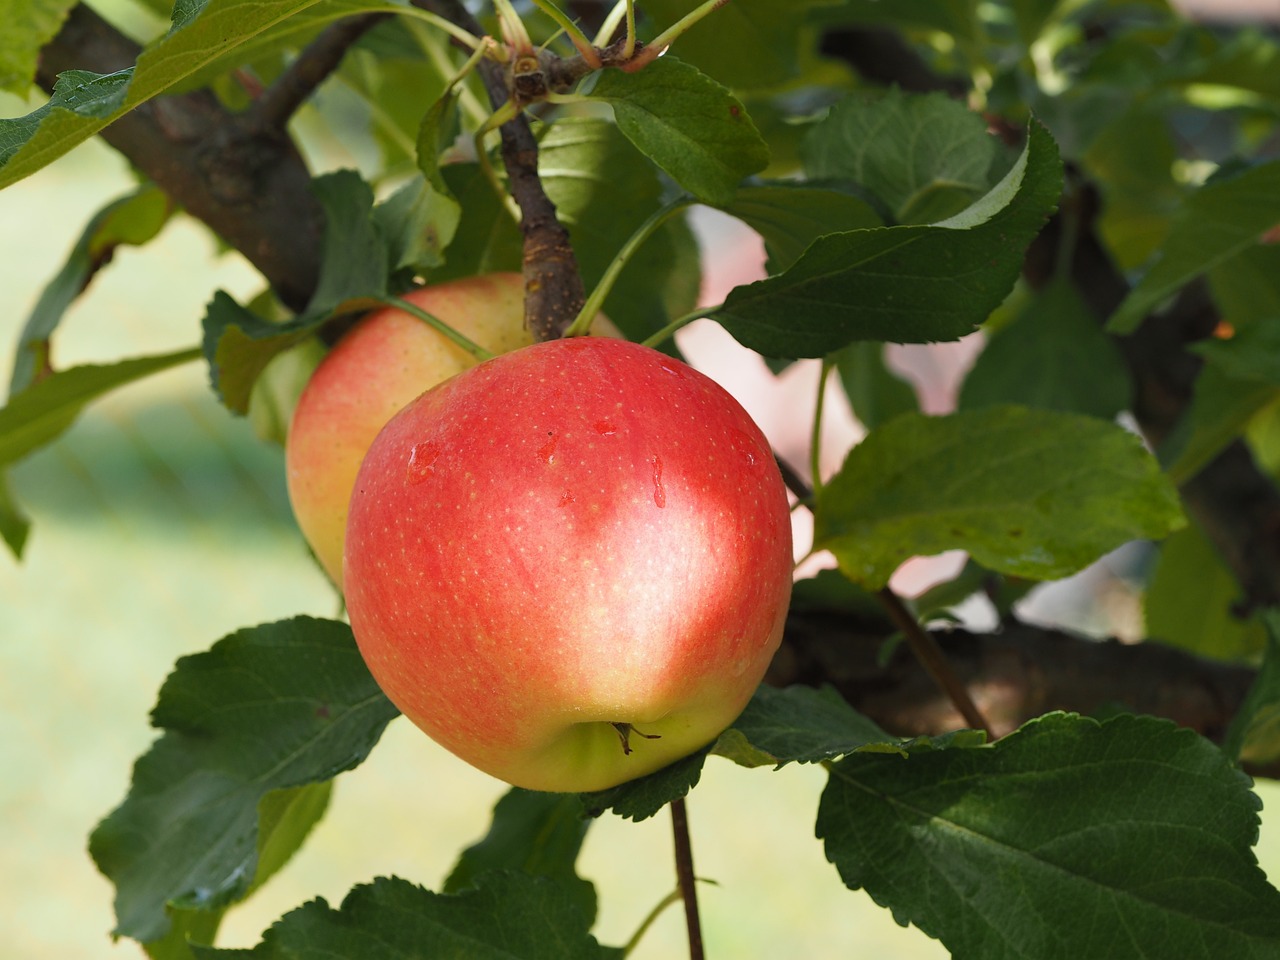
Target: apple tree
(1086, 190)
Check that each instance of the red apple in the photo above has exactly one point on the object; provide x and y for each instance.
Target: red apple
(381, 364)
(570, 565)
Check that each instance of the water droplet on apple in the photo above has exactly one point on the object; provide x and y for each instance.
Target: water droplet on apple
(548, 451)
(422, 460)
(605, 428)
(659, 492)
(673, 370)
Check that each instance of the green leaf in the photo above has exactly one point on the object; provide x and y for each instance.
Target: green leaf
(689, 125)
(185, 928)
(927, 157)
(14, 525)
(49, 406)
(1254, 735)
(1222, 218)
(539, 834)
(641, 799)
(354, 259)
(238, 344)
(28, 26)
(268, 708)
(719, 44)
(511, 916)
(202, 35)
(1066, 839)
(1053, 356)
(1032, 493)
(604, 190)
(959, 18)
(1190, 600)
(911, 284)
(1252, 353)
(876, 394)
(133, 219)
(790, 216)
(1221, 409)
(804, 725)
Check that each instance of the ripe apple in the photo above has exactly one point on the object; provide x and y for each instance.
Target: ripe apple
(381, 364)
(570, 565)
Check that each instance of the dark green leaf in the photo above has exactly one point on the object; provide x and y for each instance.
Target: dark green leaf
(1254, 735)
(1031, 17)
(14, 525)
(875, 393)
(927, 157)
(539, 834)
(238, 344)
(959, 18)
(1054, 356)
(133, 219)
(719, 44)
(686, 123)
(1222, 218)
(511, 916)
(804, 725)
(28, 26)
(45, 409)
(1252, 353)
(354, 260)
(1067, 839)
(268, 708)
(642, 798)
(1220, 410)
(790, 216)
(903, 284)
(1190, 600)
(1246, 287)
(1033, 493)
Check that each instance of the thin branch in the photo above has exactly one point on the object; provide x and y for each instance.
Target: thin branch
(252, 189)
(934, 661)
(279, 102)
(685, 877)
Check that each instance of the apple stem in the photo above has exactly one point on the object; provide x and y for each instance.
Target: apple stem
(587, 314)
(933, 660)
(685, 878)
(473, 348)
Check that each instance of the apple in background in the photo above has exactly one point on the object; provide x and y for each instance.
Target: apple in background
(570, 565)
(381, 364)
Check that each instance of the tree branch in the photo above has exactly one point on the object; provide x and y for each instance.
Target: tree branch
(278, 103)
(252, 189)
(1014, 675)
(553, 289)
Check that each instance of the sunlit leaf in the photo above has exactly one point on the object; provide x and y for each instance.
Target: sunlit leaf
(1032, 493)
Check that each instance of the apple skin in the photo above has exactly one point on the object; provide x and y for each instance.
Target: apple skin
(382, 363)
(579, 534)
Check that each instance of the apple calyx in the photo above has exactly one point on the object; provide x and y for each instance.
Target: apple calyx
(625, 730)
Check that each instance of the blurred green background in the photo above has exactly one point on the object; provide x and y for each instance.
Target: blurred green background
(160, 525)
